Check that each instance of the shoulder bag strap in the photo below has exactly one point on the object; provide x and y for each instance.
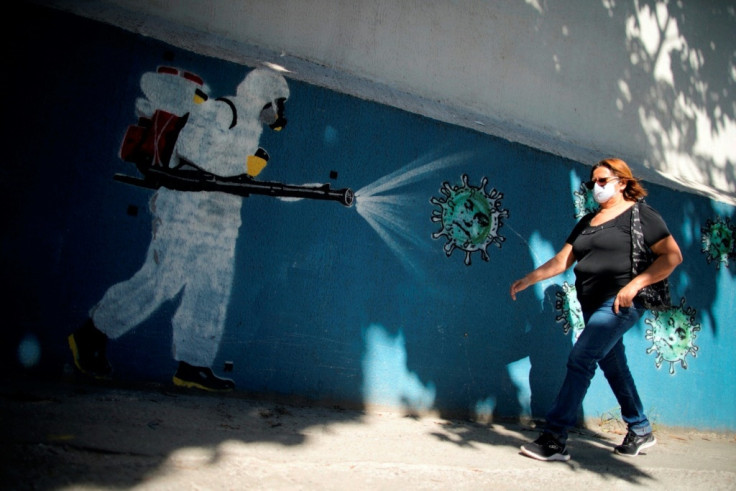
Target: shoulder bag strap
(639, 253)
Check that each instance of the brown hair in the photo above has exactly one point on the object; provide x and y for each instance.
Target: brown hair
(634, 191)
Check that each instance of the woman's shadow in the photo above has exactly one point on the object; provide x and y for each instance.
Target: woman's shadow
(548, 349)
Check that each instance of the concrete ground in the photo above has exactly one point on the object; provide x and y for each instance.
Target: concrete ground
(73, 435)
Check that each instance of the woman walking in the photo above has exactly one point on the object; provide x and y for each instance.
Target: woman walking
(600, 245)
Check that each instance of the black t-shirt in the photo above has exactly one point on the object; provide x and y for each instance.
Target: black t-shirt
(603, 253)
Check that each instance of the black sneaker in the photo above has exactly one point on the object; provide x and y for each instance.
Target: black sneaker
(634, 443)
(89, 345)
(546, 447)
(201, 378)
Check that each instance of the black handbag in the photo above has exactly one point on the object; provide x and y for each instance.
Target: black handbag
(657, 295)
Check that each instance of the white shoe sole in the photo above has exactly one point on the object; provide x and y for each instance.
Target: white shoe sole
(558, 457)
(644, 446)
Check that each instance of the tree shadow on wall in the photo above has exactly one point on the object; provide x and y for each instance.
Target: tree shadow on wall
(668, 76)
(691, 85)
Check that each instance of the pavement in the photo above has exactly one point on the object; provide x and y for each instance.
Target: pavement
(76, 435)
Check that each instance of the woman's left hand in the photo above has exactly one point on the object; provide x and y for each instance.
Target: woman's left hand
(668, 257)
(625, 297)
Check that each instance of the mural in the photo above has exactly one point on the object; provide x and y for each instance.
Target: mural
(570, 314)
(672, 333)
(470, 218)
(384, 208)
(185, 141)
(719, 241)
(584, 201)
(150, 144)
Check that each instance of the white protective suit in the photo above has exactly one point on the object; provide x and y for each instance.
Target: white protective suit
(192, 248)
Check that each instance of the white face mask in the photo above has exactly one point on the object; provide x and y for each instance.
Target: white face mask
(601, 194)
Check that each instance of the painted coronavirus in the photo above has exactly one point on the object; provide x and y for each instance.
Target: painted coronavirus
(672, 333)
(470, 218)
(570, 314)
(719, 241)
(584, 202)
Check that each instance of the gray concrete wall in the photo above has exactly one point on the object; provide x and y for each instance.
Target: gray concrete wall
(650, 81)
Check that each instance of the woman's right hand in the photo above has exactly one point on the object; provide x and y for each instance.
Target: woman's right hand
(518, 286)
(558, 264)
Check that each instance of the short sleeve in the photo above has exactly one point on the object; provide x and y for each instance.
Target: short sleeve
(652, 224)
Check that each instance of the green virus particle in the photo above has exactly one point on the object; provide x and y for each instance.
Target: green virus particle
(570, 314)
(470, 218)
(584, 202)
(672, 333)
(719, 241)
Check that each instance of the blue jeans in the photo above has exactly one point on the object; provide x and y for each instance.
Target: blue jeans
(600, 344)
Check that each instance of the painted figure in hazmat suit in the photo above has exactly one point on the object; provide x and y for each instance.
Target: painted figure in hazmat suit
(192, 249)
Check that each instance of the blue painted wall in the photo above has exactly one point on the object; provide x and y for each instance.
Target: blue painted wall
(324, 305)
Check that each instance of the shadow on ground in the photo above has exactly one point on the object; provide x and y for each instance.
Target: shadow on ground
(82, 434)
